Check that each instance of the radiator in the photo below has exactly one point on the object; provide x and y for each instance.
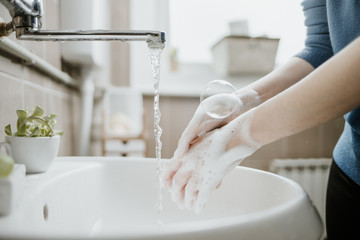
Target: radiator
(311, 174)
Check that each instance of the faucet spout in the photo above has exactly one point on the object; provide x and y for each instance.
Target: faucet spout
(155, 39)
(26, 22)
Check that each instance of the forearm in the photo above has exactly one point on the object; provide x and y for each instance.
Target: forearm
(282, 78)
(327, 93)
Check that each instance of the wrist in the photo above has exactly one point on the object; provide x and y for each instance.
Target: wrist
(249, 97)
(264, 128)
(240, 132)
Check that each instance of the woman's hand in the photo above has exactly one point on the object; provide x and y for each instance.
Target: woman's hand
(192, 176)
(202, 123)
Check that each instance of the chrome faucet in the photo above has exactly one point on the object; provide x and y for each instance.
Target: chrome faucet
(26, 23)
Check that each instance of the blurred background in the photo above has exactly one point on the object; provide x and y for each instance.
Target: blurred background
(238, 41)
(106, 108)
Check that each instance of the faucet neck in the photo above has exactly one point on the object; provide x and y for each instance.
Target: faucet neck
(24, 7)
(26, 22)
(26, 14)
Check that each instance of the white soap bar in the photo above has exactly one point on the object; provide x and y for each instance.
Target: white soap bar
(11, 189)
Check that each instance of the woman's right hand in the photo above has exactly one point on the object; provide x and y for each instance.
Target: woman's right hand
(202, 123)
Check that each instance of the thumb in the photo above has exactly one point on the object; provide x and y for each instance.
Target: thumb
(190, 133)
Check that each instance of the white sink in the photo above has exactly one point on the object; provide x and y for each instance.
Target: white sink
(114, 198)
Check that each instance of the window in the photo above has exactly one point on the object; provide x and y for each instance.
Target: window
(193, 26)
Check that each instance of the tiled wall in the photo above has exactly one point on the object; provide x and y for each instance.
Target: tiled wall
(22, 86)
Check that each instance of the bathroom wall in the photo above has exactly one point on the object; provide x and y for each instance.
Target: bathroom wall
(119, 20)
(177, 112)
(23, 86)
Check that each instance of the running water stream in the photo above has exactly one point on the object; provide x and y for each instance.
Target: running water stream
(155, 64)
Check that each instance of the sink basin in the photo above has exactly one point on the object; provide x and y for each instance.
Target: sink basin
(115, 198)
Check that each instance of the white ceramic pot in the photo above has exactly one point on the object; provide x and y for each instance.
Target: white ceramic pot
(36, 153)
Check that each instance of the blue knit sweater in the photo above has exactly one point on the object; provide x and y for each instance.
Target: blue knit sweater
(331, 25)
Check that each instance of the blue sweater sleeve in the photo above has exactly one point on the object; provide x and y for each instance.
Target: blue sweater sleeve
(318, 47)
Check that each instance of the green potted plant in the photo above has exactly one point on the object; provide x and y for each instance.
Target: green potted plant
(36, 142)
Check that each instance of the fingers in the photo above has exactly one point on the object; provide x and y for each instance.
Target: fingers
(199, 124)
(206, 188)
(178, 197)
(186, 196)
(170, 169)
(181, 178)
(179, 182)
(190, 133)
(202, 198)
(184, 184)
(183, 145)
(191, 192)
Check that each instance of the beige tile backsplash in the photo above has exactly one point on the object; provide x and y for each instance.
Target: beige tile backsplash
(23, 86)
(16, 92)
